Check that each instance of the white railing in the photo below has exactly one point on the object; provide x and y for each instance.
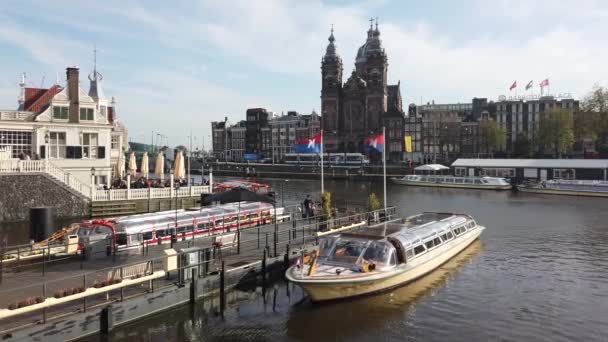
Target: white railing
(18, 166)
(14, 115)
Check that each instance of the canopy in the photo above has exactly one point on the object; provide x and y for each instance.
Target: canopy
(179, 170)
(431, 167)
(238, 195)
(159, 168)
(119, 169)
(132, 164)
(144, 167)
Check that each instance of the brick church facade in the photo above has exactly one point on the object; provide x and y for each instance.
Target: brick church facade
(361, 106)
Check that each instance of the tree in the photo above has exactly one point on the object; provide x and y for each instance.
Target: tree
(556, 130)
(596, 100)
(492, 134)
(522, 147)
(326, 205)
(592, 121)
(373, 202)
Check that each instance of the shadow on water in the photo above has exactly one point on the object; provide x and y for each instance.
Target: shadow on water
(286, 313)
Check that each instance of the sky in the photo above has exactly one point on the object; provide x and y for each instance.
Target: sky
(175, 66)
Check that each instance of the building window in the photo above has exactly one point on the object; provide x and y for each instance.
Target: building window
(57, 144)
(89, 145)
(498, 172)
(20, 142)
(115, 142)
(87, 114)
(563, 173)
(60, 113)
(460, 171)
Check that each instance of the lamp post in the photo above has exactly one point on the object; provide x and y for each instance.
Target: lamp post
(47, 139)
(92, 177)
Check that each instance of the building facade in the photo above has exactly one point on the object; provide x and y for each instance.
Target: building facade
(76, 130)
(360, 107)
(522, 117)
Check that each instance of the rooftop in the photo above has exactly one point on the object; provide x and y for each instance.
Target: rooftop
(534, 163)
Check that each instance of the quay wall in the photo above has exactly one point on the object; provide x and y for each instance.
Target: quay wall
(20, 192)
(88, 323)
(368, 173)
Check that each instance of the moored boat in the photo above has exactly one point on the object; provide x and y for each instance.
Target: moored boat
(384, 256)
(592, 188)
(492, 183)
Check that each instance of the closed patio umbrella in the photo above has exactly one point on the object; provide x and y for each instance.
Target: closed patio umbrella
(159, 168)
(119, 169)
(132, 164)
(179, 170)
(144, 167)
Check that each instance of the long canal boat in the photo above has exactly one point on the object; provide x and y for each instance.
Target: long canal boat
(156, 228)
(592, 188)
(492, 183)
(384, 256)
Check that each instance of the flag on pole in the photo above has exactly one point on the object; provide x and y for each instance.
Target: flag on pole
(529, 85)
(312, 145)
(408, 143)
(376, 142)
(513, 86)
(544, 83)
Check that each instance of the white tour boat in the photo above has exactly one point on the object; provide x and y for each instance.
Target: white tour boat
(493, 183)
(594, 188)
(383, 256)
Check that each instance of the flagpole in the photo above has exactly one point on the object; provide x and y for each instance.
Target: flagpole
(384, 165)
(322, 178)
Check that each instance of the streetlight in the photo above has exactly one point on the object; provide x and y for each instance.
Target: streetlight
(92, 176)
(47, 139)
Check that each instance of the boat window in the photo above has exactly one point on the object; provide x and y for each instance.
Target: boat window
(325, 245)
(409, 254)
(121, 239)
(437, 241)
(189, 228)
(161, 233)
(444, 237)
(477, 181)
(83, 232)
(181, 229)
(419, 249)
(485, 181)
(423, 179)
(347, 251)
(147, 236)
(457, 231)
(380, 253)
(429, 244)
(460, 180)
(468, 181)
(218, 222)
(449, 234)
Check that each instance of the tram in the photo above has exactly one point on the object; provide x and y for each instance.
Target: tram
(334, 159)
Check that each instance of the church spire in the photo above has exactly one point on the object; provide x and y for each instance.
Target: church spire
(331, 47)
(95, 88)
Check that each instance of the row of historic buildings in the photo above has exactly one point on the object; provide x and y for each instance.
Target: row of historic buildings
(75, 129)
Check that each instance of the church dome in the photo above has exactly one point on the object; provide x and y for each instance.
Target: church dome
(372, 44)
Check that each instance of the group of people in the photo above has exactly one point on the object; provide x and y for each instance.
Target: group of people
(308, 207)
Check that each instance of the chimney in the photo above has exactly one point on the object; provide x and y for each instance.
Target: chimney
(73, 92)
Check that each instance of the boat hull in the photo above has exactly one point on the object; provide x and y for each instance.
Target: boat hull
(319, 291)
(448, 185)
(562, 192)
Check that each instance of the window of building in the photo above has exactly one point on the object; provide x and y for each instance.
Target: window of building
(57, 144)
(87, 114)
(115, 142)
(60, 112)
(460, 171)
(89, 145)
(496, 172)
(20, 142)
(563, 173)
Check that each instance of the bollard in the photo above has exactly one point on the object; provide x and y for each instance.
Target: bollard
(106, 320)
(193, 287)
(238, 241)
(84, 255)
(264, 274)
(258, 237)
(275, 244)
(286, 259)
(222, 289)
(266, 245)
(44, 309)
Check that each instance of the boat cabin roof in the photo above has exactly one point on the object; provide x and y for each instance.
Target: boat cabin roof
(412, 230)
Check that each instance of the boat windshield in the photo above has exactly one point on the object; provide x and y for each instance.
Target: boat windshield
(356, 251)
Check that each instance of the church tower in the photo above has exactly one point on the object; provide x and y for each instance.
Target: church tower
(375, 72)
(331, 74)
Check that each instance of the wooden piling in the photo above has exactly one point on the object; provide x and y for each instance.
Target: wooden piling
(222, 288)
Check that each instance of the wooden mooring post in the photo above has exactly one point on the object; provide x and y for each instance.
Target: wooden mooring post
(223, 288)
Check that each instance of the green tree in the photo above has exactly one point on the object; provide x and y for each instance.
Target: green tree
(492, 135)
(591, 122)
(556, 130)
(373, 202)
(522, 147)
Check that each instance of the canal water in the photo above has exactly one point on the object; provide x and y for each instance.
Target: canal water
(538, 273)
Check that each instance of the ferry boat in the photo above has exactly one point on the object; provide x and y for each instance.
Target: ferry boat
(593, 188)
(156, 228)
(384, 256)
(493, 183)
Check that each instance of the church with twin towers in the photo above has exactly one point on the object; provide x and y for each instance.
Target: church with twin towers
(361, 106)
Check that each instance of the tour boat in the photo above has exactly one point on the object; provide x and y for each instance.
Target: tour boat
(383, 256)
(492, 183)
(594, 188)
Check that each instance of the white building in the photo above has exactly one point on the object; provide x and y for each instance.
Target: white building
(74, 129)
